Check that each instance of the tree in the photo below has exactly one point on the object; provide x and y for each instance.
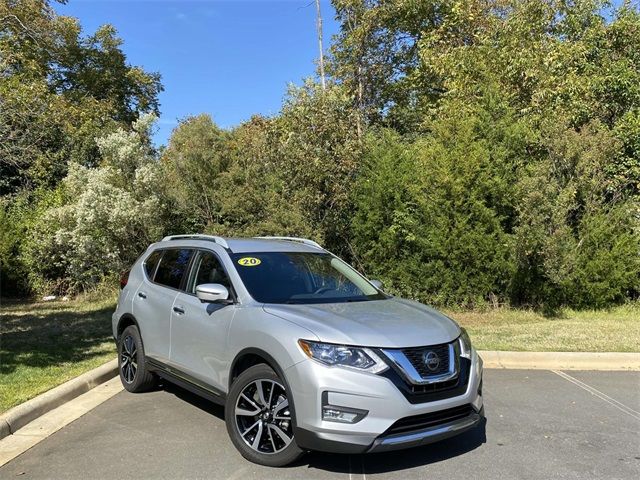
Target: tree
(193, 161)
(318, 153)
(58, 91)
(292, 173)
(576, 239)
(434, 215)
(376, 56)
(96, 66)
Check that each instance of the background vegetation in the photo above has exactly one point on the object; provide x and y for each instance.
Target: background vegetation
(466, 152)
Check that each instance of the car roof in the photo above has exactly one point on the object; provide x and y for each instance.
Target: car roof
(245, 245)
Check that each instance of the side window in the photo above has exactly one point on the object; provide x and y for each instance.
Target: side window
(172, 267)
(207, 269)
(151, 262)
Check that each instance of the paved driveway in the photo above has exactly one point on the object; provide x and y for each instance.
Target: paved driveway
(540, 424)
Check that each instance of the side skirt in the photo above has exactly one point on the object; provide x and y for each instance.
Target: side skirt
(186, 381)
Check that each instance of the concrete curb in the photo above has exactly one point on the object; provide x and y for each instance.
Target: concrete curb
(562, 360)
(24, 413)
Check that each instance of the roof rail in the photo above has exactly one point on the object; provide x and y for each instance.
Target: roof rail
(306, 241)
(197, 236)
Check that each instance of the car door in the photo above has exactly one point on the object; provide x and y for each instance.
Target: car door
(154, 299)
(199, 330)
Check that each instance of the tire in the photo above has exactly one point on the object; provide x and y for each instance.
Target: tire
(131, 362)
(269, 414)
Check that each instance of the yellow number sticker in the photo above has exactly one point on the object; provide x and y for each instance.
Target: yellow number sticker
(249, 261)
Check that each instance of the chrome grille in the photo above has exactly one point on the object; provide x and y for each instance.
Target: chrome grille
(417, 358)
(426, 365)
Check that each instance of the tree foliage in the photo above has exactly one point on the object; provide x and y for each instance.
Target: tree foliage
(463, 151)
(104, 217)
(547, 93)
(435, 215)
(292, 173)
(58, 91)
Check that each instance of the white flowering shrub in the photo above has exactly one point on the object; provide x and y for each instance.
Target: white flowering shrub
(109, 216)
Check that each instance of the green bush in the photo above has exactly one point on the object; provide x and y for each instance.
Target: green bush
(571, 221)
(607, 270)
(428, 219)
(102, 219)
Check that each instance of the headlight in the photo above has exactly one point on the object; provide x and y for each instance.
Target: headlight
(357, 358)
(465, 344)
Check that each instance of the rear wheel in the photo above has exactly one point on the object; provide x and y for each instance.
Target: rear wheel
(131, 362)
(259, 418)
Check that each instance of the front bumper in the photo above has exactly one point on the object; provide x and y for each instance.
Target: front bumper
(427, 435)
(310, 382)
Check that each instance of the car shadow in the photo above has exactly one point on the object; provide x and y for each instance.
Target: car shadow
(367, 463)
(399, 460)
(193, 399)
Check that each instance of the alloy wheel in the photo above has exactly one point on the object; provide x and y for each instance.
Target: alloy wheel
(263, 416)
(129, 362)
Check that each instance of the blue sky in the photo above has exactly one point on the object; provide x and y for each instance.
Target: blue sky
(230, 59)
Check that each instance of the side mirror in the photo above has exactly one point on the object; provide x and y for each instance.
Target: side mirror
(377, 283)
(212, 292)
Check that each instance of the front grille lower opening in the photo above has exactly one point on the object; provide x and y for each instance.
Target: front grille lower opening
(433, 387)
(427, 420)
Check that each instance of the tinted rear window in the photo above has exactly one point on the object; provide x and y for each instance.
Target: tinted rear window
(172, 267)
(151, 262)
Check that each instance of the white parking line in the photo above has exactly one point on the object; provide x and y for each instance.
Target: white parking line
(603, 396)
(353, 475)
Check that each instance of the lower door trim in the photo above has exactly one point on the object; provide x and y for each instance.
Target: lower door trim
(186, 381)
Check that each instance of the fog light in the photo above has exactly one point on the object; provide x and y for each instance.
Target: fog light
(331, 413)
(335, 413)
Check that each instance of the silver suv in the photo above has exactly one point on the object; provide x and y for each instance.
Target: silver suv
(303, 351)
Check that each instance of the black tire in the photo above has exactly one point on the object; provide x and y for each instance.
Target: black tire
(277, 418)
(131, 362)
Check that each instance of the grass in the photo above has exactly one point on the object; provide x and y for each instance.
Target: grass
(613, 330)
(45, 344)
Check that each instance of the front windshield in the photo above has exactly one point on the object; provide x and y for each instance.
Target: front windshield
(301, 277)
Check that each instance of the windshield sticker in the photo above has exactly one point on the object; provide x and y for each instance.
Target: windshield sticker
(249, 261)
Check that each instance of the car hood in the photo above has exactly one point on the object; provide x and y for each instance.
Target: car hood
(389, 323)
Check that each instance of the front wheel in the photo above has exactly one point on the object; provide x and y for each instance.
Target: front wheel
(259, 418)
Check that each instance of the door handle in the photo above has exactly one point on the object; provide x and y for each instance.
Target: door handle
(178, 309)
(142, 295)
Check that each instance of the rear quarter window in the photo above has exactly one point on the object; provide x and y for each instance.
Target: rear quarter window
(151, 263)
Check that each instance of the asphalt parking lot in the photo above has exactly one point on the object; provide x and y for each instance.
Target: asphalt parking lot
(540, 424)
